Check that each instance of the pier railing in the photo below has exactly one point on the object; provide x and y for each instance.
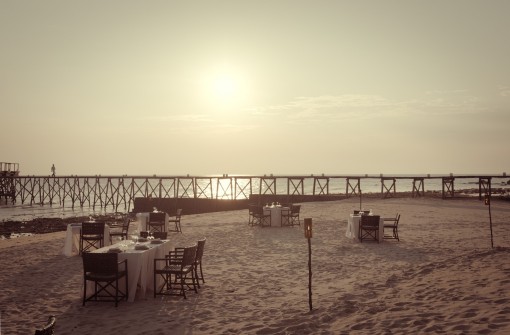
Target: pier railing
(121, 191)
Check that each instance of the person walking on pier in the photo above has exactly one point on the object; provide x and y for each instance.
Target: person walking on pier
(53, 170)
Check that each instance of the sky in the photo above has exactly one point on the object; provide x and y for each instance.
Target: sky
(255, 87)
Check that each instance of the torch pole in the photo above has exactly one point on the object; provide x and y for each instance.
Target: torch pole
(310, 274)
(490, 223)
(308, 235)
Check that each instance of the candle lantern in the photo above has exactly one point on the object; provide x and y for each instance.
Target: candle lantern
(308, 228)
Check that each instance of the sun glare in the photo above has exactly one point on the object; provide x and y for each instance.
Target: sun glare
(225, 86)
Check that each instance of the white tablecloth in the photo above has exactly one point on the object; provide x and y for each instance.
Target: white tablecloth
(353, 227)
(140, 266)
(143, 218)
(276, 214)
(72, 240)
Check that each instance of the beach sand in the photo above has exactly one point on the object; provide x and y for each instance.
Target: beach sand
(443, 277)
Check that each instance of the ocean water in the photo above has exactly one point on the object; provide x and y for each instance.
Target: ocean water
(221, 189)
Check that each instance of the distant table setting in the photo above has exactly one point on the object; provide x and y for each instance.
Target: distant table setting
(140, 257)
(276, 213)
(72, 239)
(352, 231)
(143, 218)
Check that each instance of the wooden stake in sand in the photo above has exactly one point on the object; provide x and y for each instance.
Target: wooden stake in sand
(308, 236)
(488, 203)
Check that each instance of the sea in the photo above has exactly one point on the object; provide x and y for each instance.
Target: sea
(372, 184)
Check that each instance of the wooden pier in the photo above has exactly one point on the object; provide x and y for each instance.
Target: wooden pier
(120, 192)
(7, 185)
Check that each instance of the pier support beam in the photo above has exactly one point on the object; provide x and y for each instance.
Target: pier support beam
(242, 188)
(448, 189)
(386, 192)
(320, 185)
(352, 187)
(203, 188)
(267, 185)
(418, 187)
(224, 187)
(186, 187)
(297, 184)
(484, 186)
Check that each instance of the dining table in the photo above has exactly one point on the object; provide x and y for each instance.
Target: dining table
(352, 230)
(276, 214)
(140, 261)
(72, 239)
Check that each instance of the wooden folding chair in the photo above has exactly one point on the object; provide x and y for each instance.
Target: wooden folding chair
(369, 228)
(174, 269)
(176, 221)
(91, 235)
(393, 225)
(156, 222)
(104, 270)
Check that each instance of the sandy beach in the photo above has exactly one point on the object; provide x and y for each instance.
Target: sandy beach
(443, 277)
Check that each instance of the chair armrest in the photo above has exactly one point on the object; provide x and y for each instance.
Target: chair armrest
(167, 261)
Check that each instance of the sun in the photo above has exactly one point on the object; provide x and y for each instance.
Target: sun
(225, 86)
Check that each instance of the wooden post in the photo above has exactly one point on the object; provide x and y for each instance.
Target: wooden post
(488, 203)
(418, 187)
(308, 235)
(310, 274)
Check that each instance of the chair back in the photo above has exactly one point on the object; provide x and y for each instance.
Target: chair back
(200, 249)
(92, 228)
(295, 209)
(369, 220)
(103, 263)
(252, 208)
(162, 235)
(125, 224)
(49, 328)
(259, 210)
(189, 255)
(157, 216)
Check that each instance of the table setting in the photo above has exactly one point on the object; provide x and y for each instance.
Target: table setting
(275, 209)
(140, 254)
(352, 230)
(72, 239)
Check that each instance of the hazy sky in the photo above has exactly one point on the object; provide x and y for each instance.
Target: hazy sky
(255, 87)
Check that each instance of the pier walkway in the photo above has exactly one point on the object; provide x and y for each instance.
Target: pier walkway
(121, 191)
